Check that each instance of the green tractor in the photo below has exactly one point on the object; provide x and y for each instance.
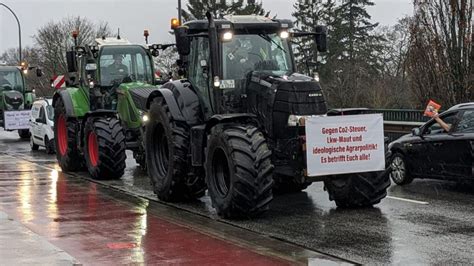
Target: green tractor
(15, 99)
(235, 125)
(97, 115)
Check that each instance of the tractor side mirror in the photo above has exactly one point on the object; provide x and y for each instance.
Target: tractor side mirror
(91, 70)
(321, 38)
(183, 43)
(39, 72)
(71, 61)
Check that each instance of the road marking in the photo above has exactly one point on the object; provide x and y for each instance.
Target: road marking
(408, 200)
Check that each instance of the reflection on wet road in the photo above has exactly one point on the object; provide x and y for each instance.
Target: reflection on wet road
(425, 222)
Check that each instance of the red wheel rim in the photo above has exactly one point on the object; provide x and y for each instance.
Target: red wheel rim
(93, 148)
(62, 135)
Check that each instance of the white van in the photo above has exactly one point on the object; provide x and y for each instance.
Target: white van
(42, 125)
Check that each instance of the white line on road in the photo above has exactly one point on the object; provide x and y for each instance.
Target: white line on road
(408, 200)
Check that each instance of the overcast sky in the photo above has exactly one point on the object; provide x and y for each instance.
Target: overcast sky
(132, 16)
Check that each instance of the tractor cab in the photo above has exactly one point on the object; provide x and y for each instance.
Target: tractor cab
(104, 67)
(235, 60)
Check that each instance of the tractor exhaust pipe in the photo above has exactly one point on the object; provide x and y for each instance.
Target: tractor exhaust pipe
(215, 66)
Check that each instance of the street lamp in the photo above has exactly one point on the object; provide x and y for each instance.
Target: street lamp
(179, 11)
(19, 28)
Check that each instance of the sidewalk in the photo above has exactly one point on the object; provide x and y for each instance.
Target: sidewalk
(76, 217)
(20, 246)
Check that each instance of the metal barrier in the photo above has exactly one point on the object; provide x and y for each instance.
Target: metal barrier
(399, 122)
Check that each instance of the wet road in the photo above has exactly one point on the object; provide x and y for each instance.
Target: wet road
(425, 222)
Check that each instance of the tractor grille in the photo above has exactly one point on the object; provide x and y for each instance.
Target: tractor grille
(13, 98)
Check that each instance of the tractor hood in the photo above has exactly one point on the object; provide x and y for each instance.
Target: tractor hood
(12, 100)
(275, 98)
(296, 94)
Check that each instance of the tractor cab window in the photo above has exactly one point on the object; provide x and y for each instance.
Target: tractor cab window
(199, 71)
(256, 52)
(124, 64)
(11, 80)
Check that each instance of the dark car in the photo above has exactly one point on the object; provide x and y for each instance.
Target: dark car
(431, 152)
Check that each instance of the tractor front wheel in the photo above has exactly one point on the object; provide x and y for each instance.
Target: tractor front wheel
(104, 148)
(65, 136)
(238, 171)
(359, 189)
(167, 148)
(24, 133)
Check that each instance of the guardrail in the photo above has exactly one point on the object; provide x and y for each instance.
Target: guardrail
(398, 122)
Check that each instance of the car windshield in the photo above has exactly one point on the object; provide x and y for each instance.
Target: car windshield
(50, 112)
(256, 52)
(11, 80)
(124, 63)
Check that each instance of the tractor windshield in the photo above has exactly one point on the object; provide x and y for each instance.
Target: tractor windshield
(11, 79)
(120, 64)
(256, 52)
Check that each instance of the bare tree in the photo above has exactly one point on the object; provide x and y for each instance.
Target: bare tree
(165, 63)
(441, 49)
(55, 38)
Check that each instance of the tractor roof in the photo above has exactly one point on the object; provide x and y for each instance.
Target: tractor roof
(112, 41)
(8, 68)
(249, 22)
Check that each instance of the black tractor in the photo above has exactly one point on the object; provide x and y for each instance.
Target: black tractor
(235, 124)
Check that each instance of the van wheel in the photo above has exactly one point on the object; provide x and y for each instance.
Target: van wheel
(34, 147)
(49, 145)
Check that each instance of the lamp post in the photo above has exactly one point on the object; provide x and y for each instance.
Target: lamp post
(19, 28)
(179, 11)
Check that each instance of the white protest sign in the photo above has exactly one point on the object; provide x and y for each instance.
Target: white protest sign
(344, 144)
(17, 119)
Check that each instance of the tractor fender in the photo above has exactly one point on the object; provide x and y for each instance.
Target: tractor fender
(182, 101)
(246, 118)
(75, 101)
(66, 97)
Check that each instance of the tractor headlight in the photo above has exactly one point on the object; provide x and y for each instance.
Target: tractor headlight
(144, 116)
(299, 120)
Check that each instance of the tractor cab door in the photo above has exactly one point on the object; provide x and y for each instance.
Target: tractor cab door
(199, 73)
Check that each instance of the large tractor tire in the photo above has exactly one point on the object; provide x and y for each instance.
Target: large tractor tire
(104, 148)
(359, 189)
(66, 131)
(24, 133)
(288, 184)
(238, 171)
(167, 148)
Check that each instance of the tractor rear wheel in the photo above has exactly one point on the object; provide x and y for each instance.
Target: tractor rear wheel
(238, 171)
(104, 148)
(65, 135)
(359, 189)
(288, 184)
(167, 148)
(24, 133)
